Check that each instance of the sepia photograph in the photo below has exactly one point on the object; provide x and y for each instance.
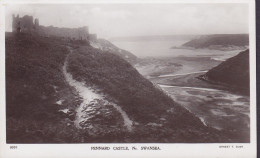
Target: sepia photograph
(127, 73)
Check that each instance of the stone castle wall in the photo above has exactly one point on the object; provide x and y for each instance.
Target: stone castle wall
(26, 24)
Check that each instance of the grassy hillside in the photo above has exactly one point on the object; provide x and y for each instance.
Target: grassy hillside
(232, 72)
(219, 40)
(117, 78)
(35, 84)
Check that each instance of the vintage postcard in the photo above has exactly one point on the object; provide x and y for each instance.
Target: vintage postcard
(128, 78)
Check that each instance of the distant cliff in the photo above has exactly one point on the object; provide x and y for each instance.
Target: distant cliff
(219, 42)
(233, 72)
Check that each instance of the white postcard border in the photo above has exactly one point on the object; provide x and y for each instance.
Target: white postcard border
(177, 150)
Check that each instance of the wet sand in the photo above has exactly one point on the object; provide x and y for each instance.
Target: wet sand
(213, 104)
(218, 109)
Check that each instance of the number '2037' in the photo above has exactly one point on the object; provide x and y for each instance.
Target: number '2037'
(13, 147)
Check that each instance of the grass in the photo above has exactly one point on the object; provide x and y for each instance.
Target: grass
(33, 70)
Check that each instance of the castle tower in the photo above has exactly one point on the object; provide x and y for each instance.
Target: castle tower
(86, 29)
(14, 24)
(24, 24)
(36, 24)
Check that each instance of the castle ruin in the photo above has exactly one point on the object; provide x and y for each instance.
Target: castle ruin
(26, 24)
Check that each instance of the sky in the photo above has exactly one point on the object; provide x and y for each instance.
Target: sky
(116, 20)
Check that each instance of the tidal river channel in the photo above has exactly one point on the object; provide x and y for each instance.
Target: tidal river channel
(175, 71)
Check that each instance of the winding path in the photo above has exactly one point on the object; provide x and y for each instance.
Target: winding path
(89, 96)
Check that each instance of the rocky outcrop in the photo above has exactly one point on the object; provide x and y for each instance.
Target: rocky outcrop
(107, 46)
